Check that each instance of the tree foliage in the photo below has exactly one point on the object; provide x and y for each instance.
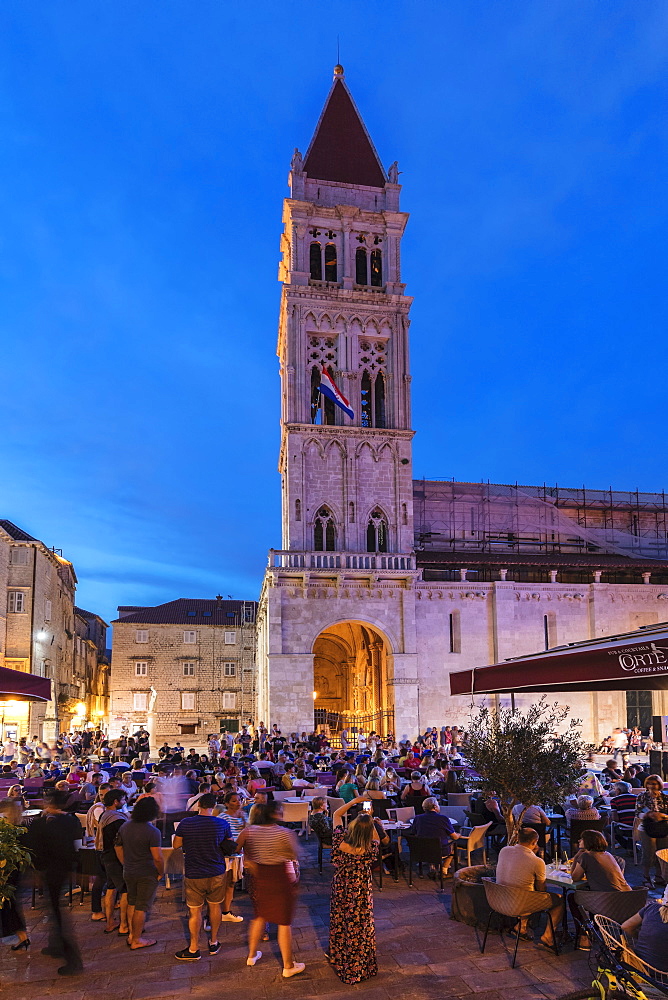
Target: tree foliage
(523, 758)
(13, 857)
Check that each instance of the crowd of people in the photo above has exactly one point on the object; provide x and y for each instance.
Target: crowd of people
(125, 803)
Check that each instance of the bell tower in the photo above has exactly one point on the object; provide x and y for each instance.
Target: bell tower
(347, 483)
(336, 637)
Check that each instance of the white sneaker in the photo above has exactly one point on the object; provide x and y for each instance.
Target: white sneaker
(233, 917)
(297, 967)
(255, 958)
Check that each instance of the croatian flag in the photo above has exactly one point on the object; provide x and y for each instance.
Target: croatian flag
(328, 388)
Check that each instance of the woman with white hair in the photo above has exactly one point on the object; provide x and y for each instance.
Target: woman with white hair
(584, 810)
(651, 925)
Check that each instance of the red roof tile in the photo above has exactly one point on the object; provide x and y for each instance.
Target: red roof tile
(177, 613)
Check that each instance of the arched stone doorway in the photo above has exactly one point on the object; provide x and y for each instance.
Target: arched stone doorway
(351, 667)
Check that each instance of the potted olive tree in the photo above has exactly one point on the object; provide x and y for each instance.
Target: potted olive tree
(528, 757)
(13, 857)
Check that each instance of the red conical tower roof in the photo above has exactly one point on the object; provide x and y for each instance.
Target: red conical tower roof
(341, 150)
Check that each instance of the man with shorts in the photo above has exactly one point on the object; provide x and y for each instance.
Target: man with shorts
(109, 823)
(206, 840)
(138, 850)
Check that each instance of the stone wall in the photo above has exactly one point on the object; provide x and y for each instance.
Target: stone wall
(165, 655)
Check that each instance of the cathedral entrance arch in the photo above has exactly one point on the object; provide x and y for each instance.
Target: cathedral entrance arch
(351, 673)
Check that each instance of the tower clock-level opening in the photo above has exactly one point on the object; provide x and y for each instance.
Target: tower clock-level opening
(351, 666)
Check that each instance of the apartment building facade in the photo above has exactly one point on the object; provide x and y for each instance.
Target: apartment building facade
(37, 631)
(183, 669)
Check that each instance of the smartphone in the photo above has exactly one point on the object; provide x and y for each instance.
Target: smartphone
(366, 806)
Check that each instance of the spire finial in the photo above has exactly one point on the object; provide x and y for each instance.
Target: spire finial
(338, 72)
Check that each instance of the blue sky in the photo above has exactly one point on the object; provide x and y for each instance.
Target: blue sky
(145, 149)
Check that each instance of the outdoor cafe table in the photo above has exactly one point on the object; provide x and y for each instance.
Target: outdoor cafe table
(29, 815)
(562, 880)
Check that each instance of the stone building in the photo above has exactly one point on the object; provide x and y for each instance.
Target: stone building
(184, 669)
(37, 587)
(383, 585)
(91, 666)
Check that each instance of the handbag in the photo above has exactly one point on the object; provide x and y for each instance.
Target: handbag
(655, 828)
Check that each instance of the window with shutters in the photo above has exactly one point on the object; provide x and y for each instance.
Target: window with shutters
(141, 669)
(187, 701)
(141, 635)
(188, 669)
(230, 638)
(140, 701)
(190, 637)
(47, 611)
(18, 557)
(230, 670)
(229, 700)
(16, 602)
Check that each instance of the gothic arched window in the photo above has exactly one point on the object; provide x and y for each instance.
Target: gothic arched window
(376, 532)
(376, 268)
(324, 531)
(298, 510)
(360, 266)
(330, 262)
(366, 407)
(315, 261)
(379, 401)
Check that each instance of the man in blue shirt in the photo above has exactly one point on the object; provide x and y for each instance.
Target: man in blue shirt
(206, 840)
(432, 824)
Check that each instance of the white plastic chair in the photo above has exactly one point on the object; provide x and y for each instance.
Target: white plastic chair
(282, 796)
(459, 799)
(471, 840)
(296, 812)
(402, 814)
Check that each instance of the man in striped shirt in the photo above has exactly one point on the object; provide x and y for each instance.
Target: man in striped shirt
(206, 840)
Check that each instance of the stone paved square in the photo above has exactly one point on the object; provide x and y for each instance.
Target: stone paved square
(422, 954)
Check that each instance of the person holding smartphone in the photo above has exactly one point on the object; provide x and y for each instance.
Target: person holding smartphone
(354, 852)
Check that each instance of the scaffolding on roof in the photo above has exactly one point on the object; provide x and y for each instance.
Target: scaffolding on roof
(491, 517)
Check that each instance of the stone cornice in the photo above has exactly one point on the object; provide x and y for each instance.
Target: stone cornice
(332, 431)
(349, 297)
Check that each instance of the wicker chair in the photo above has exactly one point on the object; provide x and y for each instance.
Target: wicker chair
(578, 826)
(511, 902)
(617, 905)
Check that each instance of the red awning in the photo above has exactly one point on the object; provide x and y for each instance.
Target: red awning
(17, 686)
(628, 662)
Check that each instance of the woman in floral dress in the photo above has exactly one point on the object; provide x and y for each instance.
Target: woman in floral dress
(352, 935)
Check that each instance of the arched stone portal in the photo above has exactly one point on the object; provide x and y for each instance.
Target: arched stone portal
(350, 677)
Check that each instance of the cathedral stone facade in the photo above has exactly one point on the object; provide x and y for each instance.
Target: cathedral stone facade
(383, 585)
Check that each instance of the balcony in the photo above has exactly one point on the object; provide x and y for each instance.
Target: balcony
(377, 561)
